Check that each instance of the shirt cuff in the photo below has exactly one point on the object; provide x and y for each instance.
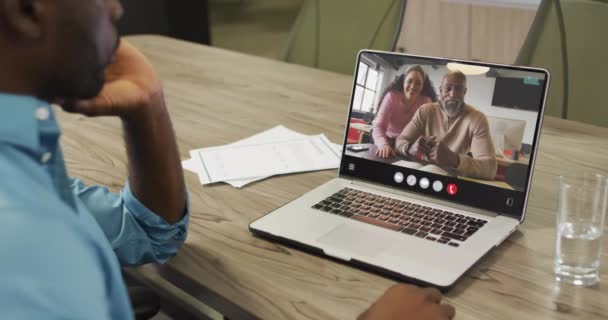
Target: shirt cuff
(405, 148)
(461, 163)
(380, 141)
(147, 216)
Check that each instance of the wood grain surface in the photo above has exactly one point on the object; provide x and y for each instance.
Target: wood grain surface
(217, 97)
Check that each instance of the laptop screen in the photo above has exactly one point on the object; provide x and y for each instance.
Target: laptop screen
(460, 131)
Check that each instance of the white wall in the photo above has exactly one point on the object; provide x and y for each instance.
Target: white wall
(526, 4)
(387, 78)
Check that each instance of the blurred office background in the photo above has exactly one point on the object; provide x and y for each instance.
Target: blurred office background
(326, 34)
(258, 27)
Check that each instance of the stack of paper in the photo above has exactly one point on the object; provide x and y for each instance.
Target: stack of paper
(275, 151)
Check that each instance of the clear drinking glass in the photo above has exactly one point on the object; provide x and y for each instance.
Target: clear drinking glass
(581, 212)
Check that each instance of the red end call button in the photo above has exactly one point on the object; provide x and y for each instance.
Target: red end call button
(452, 189)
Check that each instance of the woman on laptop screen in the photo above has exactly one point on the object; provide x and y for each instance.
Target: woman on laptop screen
(400, 101)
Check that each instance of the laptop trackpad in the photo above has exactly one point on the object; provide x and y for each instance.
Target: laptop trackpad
(355, 239)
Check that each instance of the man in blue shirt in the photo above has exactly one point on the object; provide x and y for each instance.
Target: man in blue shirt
(62, 243)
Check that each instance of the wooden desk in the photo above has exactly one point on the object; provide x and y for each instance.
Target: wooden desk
(505, 162)
(216, 97)
(370, 154)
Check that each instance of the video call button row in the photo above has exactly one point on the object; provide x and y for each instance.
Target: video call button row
(425, 183)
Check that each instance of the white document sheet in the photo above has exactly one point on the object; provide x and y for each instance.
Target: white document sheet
(264, 159)
(191, 165)
(293, 150)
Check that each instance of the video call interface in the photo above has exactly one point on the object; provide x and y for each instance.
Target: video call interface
(475, 125)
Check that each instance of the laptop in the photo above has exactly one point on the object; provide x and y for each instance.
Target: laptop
(412, 217)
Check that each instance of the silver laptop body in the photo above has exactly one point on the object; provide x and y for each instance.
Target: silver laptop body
(430, 247)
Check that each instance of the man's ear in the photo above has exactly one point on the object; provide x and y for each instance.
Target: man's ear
(22, 18)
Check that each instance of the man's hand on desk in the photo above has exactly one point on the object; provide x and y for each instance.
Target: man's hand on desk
(131, 87)
(443, 156)
(408, 302)
(421, 147)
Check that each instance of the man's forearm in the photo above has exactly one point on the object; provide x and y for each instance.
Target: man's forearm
(482, 168)
(155, 171)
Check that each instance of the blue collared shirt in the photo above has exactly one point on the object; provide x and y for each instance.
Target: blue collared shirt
(62, 243)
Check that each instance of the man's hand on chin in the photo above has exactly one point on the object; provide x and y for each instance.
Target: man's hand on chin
(132, 88)
(133, 92)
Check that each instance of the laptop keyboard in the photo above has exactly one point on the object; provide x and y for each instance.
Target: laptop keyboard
(401, 216)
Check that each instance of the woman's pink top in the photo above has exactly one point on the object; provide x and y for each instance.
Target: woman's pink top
(393, 116)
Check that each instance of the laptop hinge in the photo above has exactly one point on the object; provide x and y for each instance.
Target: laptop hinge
(423, 198)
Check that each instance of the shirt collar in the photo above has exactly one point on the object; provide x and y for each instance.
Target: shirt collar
(22, 118)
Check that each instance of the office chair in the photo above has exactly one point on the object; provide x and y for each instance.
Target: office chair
(184, 19)
(567, 38)
(145, 302)
(328, 34)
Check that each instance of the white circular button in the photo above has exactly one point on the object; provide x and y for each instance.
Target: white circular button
(411, 180)
(46, 157)
(398, 177)
(424, 183)
(437, 186)
(42, 113)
